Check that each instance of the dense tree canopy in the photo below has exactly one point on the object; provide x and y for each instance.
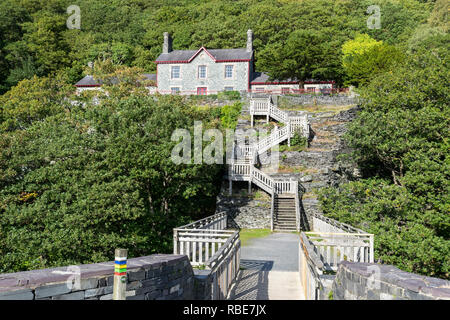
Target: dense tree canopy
(79, 178)
(401, 142)
(292, 38)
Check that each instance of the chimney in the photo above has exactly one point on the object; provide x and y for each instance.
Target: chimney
(249, 40)
(167, 46)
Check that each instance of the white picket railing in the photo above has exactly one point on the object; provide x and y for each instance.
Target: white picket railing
(207, 244)
(321, 251)
(264, 106)
(332, 248)
(243, 167)
(321, 223)
(224, 266)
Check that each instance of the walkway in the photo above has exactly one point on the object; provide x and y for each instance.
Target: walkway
(269, 269)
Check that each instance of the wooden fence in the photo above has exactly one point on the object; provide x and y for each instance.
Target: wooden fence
(332, 248)
(329, 243)
(224, 266)
(207, 244)
(321, 223)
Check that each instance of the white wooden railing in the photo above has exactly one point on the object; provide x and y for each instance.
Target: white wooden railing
(329, 243)
(310, 269)
(224, 266)
(321, 223)
(332, 248)
(264, 106)
(207, 244)
(243, 167)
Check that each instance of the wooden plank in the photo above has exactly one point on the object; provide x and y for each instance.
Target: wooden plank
(188, 249)
(194, 251)
(204, 240)
(200, 252)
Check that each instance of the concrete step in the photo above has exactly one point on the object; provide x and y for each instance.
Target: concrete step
(285, 229)
(284, 225)
(285, 221)
(285, 212)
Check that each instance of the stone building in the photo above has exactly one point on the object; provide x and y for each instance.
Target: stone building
(209, 71)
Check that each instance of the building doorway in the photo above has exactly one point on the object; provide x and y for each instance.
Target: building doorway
(202, 91)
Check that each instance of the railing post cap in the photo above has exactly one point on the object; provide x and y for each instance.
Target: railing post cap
(121, 253)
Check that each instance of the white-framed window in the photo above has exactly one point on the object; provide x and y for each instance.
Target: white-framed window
(175, 90)
(229, 89)
(229, 71)
(202, 72)
(175, 72)
(259, 89)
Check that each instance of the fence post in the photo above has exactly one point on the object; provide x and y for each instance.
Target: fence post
(289, 131)
(120, 274)
(371, 257)
(175, 241)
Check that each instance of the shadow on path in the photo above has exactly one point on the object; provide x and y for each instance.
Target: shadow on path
(253, 281)
(269, 269)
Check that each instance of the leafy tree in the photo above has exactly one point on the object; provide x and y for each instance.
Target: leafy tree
(32, 101)
(78, 184)
(400, 141)
(364, 57)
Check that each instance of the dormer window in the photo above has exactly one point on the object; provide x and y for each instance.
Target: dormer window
(202, 72)
(175, 72)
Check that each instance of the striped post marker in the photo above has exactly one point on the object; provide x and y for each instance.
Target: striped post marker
(120, 274)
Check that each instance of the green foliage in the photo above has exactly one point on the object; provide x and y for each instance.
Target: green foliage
(330, 295)
(403, 235)
(298, 139)
(400, 141)
(247, 235)
(364, 58)
(79, 181)
(292, 38)
(32, 100)
(229, 95)
(230, 114)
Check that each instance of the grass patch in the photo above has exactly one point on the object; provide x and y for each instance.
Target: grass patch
(292, 169)
(246, 235)
(283, 148)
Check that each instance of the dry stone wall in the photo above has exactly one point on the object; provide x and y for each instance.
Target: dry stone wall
(368, 281)
(155, 277)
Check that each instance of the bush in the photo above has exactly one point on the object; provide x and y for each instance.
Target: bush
(230, 114)
(298, 139)
(229, 95)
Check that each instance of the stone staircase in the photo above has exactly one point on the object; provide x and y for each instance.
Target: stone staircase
(284, 213)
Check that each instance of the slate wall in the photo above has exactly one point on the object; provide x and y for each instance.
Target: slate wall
(369, 281)
(311, 99)
(155, 277)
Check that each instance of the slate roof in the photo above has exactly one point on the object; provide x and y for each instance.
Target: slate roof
(261, 77)
(312, 81)
(150, 76)
(89, 81)
(217, 54)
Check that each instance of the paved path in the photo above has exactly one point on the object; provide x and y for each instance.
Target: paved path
(270, 269)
